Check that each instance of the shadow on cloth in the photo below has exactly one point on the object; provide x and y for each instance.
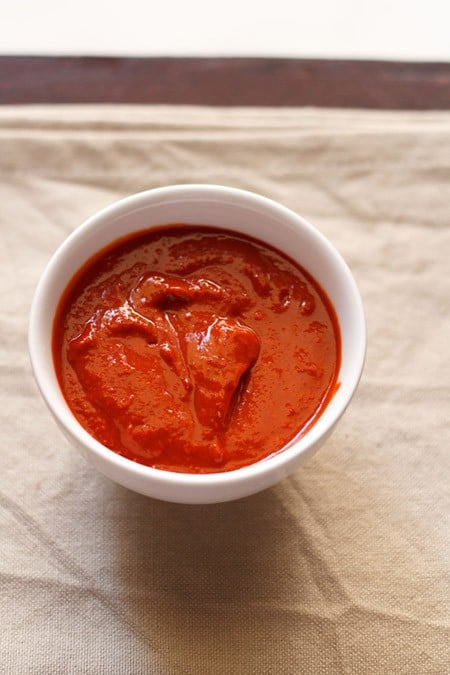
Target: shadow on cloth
(225, 588)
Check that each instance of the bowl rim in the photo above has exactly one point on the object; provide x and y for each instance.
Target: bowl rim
(58, 407)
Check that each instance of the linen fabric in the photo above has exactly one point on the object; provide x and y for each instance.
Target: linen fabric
(341, 568)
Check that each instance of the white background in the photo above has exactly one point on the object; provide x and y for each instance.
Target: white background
(383, 29)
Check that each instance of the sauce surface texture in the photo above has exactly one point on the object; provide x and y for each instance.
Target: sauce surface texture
(194, 349)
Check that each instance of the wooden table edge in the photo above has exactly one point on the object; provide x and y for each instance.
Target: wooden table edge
(225, 82)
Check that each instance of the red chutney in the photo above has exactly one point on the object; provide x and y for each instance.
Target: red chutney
(195, 350)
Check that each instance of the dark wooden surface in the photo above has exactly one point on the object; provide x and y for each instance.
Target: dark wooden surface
(225, 81)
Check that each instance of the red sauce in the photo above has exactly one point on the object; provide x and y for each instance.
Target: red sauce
(195, 350)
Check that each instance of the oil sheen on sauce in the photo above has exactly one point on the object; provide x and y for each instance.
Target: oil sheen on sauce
(194, 349)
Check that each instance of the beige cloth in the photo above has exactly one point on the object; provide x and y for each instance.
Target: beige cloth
(342, 568)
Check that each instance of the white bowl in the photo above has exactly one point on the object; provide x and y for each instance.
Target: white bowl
(228, 208)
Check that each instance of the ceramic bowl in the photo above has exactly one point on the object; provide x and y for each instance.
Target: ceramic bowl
(228, 208)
